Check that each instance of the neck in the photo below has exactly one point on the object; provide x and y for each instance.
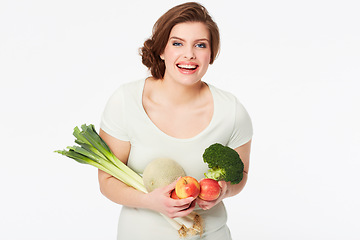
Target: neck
(180, 94)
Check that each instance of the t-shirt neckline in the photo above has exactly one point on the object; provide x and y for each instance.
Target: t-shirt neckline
(140, 96)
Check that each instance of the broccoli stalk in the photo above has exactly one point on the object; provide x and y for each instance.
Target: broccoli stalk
(224, 163)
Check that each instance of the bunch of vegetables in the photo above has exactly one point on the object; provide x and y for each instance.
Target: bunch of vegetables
(224, 164)
(93, 150)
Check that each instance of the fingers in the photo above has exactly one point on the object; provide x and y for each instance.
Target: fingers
(205, 205)
(188, 210)
(185, 211)
(223, 185)
(183, 202)
(171, 186)
(180, 207)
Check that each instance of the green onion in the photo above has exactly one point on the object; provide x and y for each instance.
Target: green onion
(93, 150)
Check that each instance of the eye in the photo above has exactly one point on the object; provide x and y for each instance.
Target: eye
(200, 45)
(176, 44)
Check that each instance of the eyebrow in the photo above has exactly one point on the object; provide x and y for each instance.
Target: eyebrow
(196, 40)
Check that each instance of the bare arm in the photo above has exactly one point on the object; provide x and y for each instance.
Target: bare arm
(227, 189)
(159, 200)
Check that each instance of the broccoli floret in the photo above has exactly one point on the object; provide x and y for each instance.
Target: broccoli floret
(224, 163)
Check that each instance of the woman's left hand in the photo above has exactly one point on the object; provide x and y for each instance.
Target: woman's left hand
(206, 205)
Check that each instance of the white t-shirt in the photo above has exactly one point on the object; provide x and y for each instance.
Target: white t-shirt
(124, 118)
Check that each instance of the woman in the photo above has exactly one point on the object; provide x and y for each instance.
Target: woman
(173, 114)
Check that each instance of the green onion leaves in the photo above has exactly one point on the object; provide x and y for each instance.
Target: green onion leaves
(93, 150)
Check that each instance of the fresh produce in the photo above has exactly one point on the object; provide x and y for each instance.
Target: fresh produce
(94, 151)
(161, 172)
(209, 189)
(173, 195)
(187, 187)
(224, 163)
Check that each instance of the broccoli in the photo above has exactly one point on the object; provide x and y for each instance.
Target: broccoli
(224, 163)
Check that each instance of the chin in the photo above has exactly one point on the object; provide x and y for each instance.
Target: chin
(190, 82)
(189, 79)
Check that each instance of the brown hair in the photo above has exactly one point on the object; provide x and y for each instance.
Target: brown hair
(155, 45)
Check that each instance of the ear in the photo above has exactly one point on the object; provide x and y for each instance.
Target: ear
(162, 56)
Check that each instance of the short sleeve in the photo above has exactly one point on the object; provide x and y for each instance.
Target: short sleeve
(113, 120)
(243, 129)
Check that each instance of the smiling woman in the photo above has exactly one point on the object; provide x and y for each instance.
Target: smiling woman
(186, 53)
(154, 46)
(174, 114)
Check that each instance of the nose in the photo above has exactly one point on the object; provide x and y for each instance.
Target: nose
(189, 53)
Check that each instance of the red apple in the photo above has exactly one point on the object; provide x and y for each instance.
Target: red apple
(187, 187)
(209, 189)
(173, 195)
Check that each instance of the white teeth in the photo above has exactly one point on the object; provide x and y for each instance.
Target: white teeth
(187, 66)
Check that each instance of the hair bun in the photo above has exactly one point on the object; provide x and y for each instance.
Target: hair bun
(147, 55)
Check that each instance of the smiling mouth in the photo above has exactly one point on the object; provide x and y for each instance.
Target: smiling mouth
(187, 67)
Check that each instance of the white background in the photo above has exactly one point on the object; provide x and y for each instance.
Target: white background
(293, 64)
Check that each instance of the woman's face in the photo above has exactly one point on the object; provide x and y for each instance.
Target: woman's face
(187, 53)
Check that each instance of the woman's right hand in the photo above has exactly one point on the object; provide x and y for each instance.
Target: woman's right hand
(160, 201)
